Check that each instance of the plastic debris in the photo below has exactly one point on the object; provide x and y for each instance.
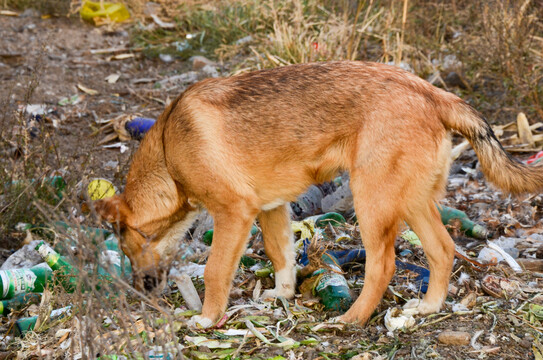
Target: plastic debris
(208, 235)
(508, 258)
(48, 188)
(24, 258)
(359, 255)
(101, 189)
(96, 12)
(111, 263)
(535, 159)
(125, 127)
(397, 318)
(66, 272)
(72, 100)
(308, 203)
(411, 237)
(188, 291)
(340, 200)
(499, 287)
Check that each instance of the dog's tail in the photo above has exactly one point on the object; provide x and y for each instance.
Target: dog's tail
(498, 166)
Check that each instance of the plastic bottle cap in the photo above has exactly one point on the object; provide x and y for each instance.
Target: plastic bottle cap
(101, 189)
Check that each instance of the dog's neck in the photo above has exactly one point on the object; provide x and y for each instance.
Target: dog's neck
(150, 191)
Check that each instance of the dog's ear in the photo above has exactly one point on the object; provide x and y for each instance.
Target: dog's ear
(114, 210)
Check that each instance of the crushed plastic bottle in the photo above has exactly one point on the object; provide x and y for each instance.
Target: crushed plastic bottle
(307, 204)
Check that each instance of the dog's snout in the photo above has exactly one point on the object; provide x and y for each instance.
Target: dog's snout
(150, 282)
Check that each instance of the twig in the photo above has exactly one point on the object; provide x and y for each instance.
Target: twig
(430, 323)
(404, 19)
(353, 32)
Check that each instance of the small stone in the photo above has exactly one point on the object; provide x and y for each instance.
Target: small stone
(364, 356)
(450, 337)
(166, 58)
(210, 71)
(454, 79)
(30, 13)
(199, 62)
(470, 300)
(244, 40)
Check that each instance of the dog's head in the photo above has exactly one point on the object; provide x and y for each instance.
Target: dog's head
(149, 241)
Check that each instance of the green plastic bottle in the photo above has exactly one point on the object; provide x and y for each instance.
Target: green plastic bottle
(66, 273)
(24, 325)
(467, 226)
(22, 281)
(18, 302)
(332, 218)
(50, 189)
(331, 286)
(208, 235)
(113, 260)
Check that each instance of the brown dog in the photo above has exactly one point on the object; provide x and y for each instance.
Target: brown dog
(244, 146)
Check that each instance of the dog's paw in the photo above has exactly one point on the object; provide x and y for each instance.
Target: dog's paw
(422, 307)
(274, 293)
(338, 320)
(200, 322)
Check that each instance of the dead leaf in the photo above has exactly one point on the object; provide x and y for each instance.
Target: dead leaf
(524, 132)
(87, 90)
(112, 79)
(122, 56)
(8, 13)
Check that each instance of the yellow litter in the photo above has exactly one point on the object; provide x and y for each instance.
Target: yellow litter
(94, 12)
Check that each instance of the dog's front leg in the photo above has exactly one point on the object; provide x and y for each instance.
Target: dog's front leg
(230, 236)
(279, 246)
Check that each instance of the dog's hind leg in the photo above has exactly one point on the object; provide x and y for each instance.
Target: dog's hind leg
(439, 249)
(279, 247)
(378, 218)
(230, 236)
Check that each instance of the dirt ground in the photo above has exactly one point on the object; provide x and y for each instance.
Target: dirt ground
(56, 55)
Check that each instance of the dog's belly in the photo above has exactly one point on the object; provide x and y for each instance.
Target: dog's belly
(273, 204)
